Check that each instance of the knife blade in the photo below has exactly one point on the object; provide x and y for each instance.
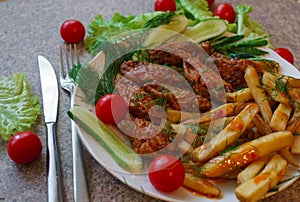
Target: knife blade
(49, 87)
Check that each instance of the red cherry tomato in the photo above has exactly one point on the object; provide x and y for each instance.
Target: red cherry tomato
(226, 12)
(210, 2)
(166, 173)
(111, 108)
(24, 147)
(165, 5)
(285, 54)
(72, 31)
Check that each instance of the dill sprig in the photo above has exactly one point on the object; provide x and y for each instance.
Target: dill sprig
(281, 87)
(116, 50)
(161, 19)
(276, 188)
(87, 79)
(239, 47)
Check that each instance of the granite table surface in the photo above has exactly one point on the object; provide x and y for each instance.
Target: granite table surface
(31, 28)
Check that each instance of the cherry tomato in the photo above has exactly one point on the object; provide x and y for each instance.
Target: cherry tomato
(111, 108)
(165, 5)
(225, 11)
(72, 31)
(166, 173)
(210, 2)
(24, 147)
(285, 54)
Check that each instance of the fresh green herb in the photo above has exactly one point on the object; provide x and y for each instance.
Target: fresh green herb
(238, 46)
(276, 188)
(18, 107)
(168, 129)
(271, 65)
(161, 101)
(230, 148)
(116, 50)
(74, 72)
(281, 87)
(220, 87)
(163, 18)
(223, 41)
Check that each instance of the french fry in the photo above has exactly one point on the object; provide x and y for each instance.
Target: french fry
(280, 117)
(294, 95)
(228, 135)
(257, 92)
(242, 95)
(262, 127)
(176, 116)
(227, 109)
(295, 148)
(201, 185)
(184, 131)
(292, 82)
(233, 160)
(252, 170)
(213, 126)
(274, 87)
(294, 122)
(257, 187)
(286, 154)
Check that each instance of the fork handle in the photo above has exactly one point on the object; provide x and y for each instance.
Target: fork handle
(80, 186)
(55, 188)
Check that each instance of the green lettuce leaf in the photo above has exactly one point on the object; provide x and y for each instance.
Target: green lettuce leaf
(18, 108)
(100, 29)
(246, 26)
(195, 9)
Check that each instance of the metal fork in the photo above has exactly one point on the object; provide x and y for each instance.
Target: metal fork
(79, 179)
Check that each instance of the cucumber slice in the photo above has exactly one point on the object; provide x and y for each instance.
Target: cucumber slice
(206, 30)
(124, 155)
(164, 32)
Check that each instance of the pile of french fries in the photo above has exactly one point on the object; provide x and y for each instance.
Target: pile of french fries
(270, 108)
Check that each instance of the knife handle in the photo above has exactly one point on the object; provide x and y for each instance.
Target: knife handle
(55, 188)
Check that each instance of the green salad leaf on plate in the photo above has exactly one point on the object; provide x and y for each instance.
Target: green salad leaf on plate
(195, 10)
(100, 29)
(246, 26)
(18, 108)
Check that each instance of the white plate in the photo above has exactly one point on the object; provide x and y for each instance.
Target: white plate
(141, 182)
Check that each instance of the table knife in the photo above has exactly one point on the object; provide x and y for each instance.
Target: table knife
(50, 106)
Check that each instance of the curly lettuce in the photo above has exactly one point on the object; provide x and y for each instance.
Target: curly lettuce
(195, 9)
(100, 29)
(18, 108)
(246, 26)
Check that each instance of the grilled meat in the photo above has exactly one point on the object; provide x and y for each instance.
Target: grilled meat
(145, 85)
(144, 137)
(232, 70)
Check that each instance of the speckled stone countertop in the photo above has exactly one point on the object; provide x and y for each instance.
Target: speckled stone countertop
(30, 28)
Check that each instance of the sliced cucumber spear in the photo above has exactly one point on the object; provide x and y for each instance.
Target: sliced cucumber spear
(124, 155)
(162, 33)
(206, 30)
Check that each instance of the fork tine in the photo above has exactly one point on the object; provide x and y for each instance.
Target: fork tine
(77, 54)
(69, 56)
(62, 72)
(67, 59)
(72, 55)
